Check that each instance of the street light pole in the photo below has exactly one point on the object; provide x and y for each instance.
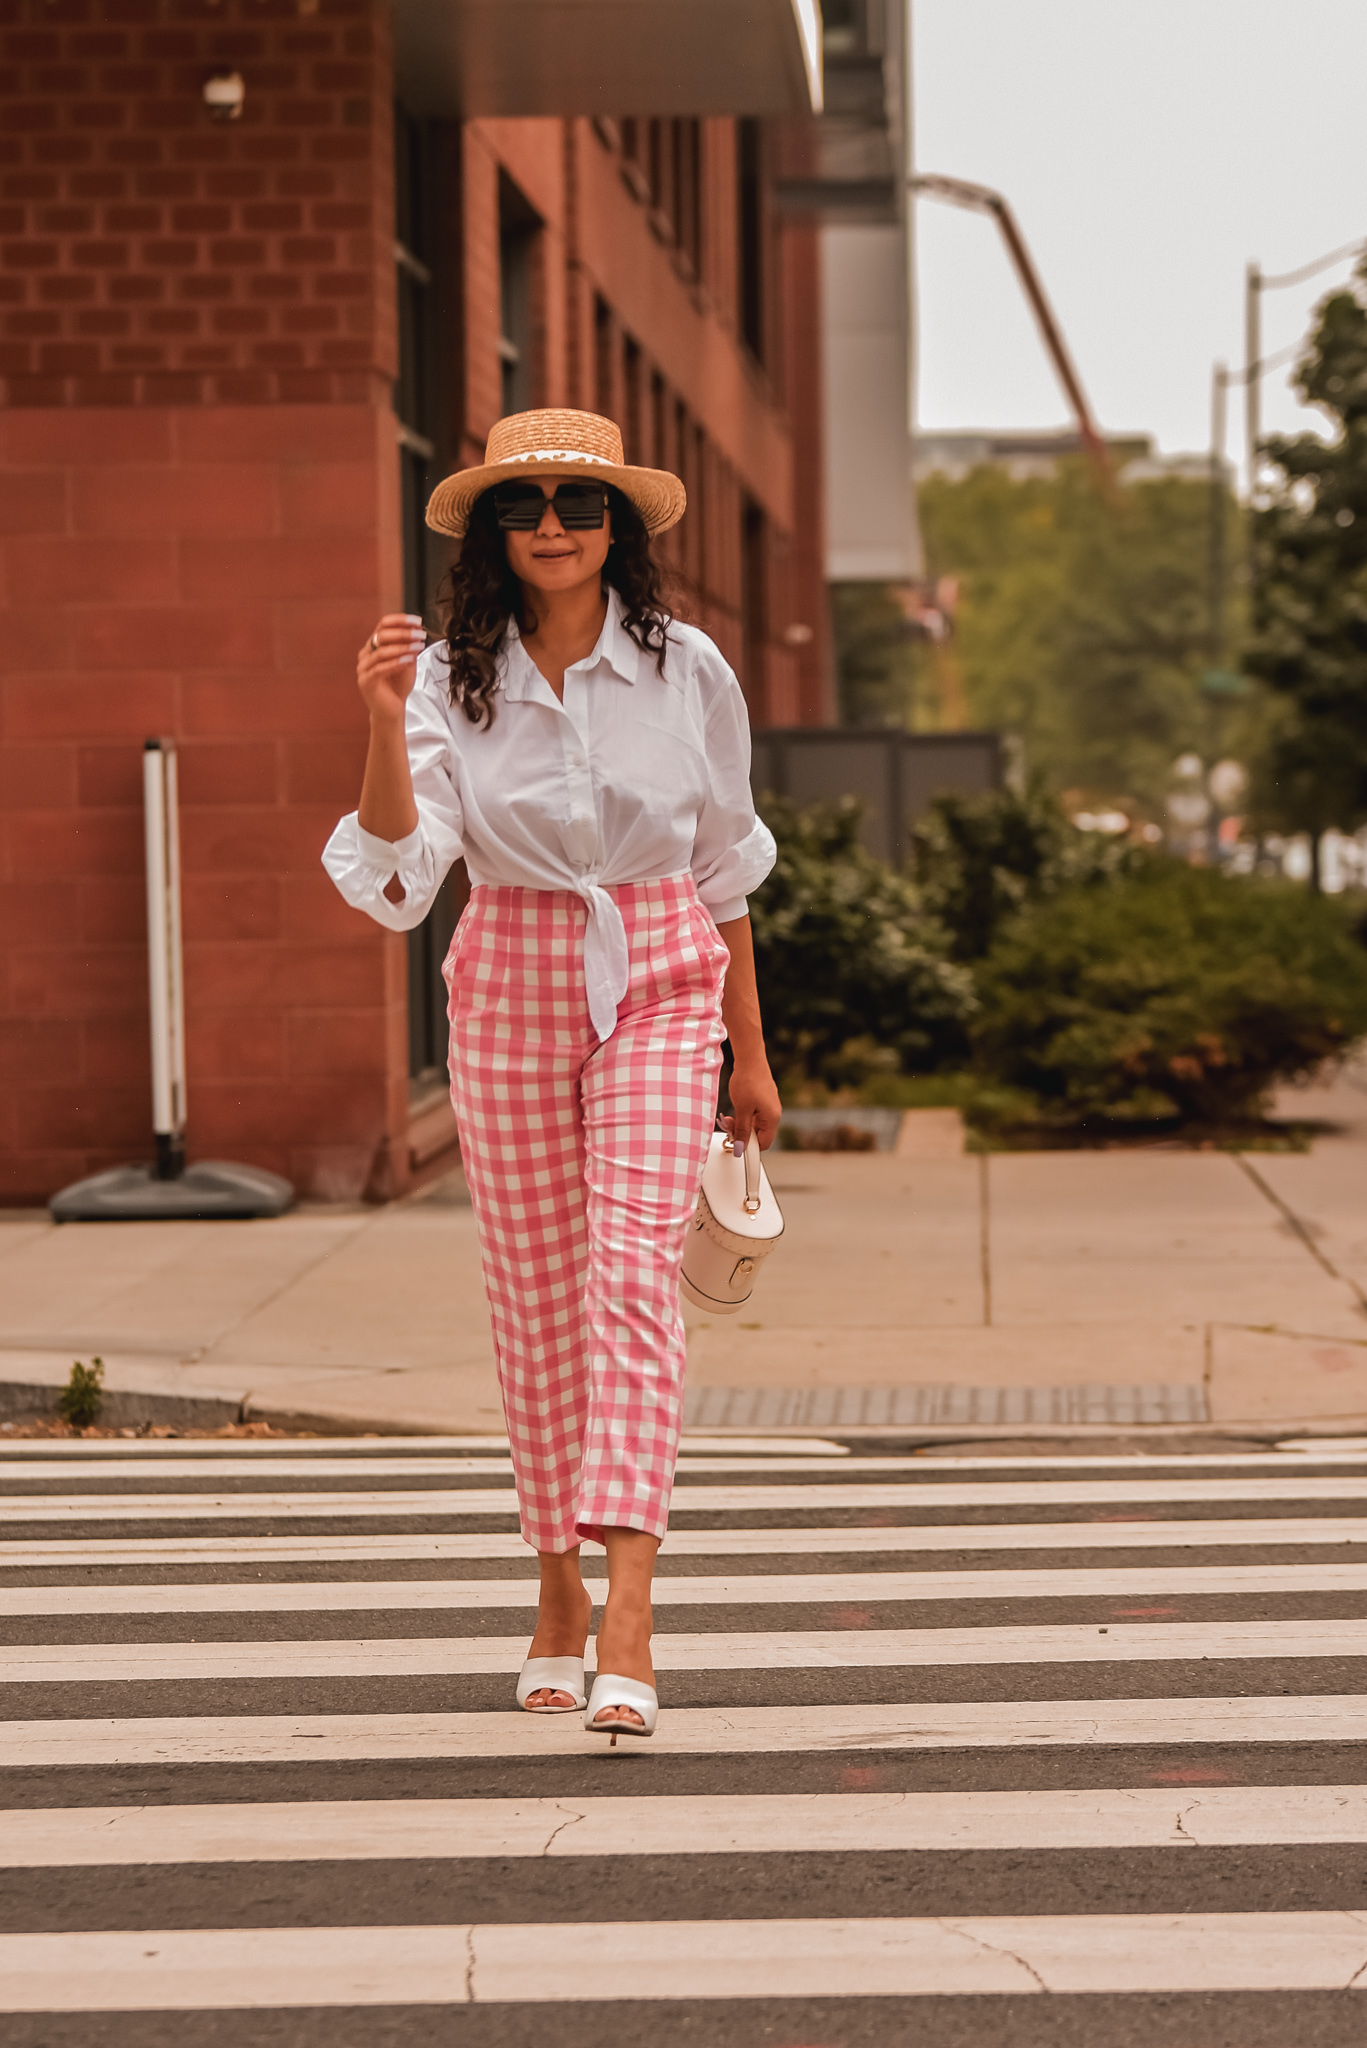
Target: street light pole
(1219, 392)
(1253, 355)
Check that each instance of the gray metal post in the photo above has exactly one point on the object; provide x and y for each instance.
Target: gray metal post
(1219, 388)
(1253, 354)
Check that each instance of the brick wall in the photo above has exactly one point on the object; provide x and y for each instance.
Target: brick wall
(152, 255)
(206, 574)
(198, 526)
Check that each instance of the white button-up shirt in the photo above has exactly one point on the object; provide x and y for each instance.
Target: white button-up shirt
(634, 777)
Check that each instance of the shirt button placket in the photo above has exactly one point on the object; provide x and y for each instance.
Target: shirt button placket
(579, 783)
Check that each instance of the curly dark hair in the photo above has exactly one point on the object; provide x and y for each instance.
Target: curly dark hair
(482, 594)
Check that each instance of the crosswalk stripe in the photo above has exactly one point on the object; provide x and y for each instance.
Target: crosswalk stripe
(691, 1731)
(402, 1468)
(251, 1968)
(322, 1466)
(66, 1453)
(849, 1823)
(1131, 1533)
(369, 1503)
(59, 1451)
(785, 1650)
(309, 1596)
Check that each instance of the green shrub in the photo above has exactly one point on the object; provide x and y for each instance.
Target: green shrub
(82, 1397)
(854, 977)
(978, 860)
(1174, 993)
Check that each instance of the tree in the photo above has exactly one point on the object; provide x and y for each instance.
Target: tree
(978, 860)
(1084, 624)
(875, 660)
(1309, 638)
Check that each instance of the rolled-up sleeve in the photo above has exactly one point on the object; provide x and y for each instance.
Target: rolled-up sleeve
(732, 849)
(362, 866)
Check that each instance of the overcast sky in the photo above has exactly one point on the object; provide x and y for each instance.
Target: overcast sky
(1150, 148)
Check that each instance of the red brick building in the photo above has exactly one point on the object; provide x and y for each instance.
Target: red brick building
(236, 354)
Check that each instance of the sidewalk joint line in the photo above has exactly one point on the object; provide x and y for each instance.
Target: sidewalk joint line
(204, 1356)
(985, 1237)
(1301, 1230)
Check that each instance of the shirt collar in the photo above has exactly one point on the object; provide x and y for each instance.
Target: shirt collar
(614, 649)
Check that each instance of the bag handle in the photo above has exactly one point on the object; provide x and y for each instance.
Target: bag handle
(752, 1173)
(751, 1155)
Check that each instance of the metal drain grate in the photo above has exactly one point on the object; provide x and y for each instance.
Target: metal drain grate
(933, 1407)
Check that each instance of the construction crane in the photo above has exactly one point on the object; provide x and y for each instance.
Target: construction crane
(982, 199)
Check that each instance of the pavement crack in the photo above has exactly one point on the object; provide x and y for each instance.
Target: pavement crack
(556, 1832)
(471, 1994)
(992, 1948)
(1181, 1822)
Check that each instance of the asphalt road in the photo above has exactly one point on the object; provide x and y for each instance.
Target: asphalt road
(1066, 1748)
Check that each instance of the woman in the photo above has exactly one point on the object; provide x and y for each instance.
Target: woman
(589, 756)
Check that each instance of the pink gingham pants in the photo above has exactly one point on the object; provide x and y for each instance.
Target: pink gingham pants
(584, 1162)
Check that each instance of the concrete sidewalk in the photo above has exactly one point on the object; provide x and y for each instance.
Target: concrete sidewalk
(1153, 1285)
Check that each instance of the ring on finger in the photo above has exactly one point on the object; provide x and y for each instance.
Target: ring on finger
(374, 643)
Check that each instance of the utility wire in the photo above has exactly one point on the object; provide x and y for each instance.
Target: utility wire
(1276, 284)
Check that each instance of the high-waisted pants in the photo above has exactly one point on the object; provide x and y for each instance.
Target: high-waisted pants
(584, 1161)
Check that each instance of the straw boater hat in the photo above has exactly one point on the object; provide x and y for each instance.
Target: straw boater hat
(557, 443)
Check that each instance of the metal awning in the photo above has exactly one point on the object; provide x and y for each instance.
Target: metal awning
(466, 58)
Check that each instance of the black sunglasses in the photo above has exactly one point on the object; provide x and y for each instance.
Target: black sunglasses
(578, 507)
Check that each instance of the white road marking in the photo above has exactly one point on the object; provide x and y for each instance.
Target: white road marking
(689, 1731)
(782, 1650)
(762, 1589)
(76, 1450)
(123, 1464)
(395, 1468)
(60, 1450)
(111, 1469)
(250, 1968)
(1131, 1532)
(186, 1507)
(356, 1830)
(258, 1507)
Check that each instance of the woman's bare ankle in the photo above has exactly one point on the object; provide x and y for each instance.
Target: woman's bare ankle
(564, 1609)
(624, 1641)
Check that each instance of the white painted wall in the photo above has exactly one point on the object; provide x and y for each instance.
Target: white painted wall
(870, 515)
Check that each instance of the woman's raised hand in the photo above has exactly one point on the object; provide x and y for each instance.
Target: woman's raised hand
(387, 666)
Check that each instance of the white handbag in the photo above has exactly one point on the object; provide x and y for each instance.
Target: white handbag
(736, 1225)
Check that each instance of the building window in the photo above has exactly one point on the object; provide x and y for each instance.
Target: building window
(631, 393)
(660, 165)
(750, 236)
(688, 191)
(413, 387)
(659, 451)
(754, 601)
(602, 358)
(517, 232)
(634, 173)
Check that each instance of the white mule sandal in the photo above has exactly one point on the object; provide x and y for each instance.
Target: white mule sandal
(611, 1691)
(551, 1674)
